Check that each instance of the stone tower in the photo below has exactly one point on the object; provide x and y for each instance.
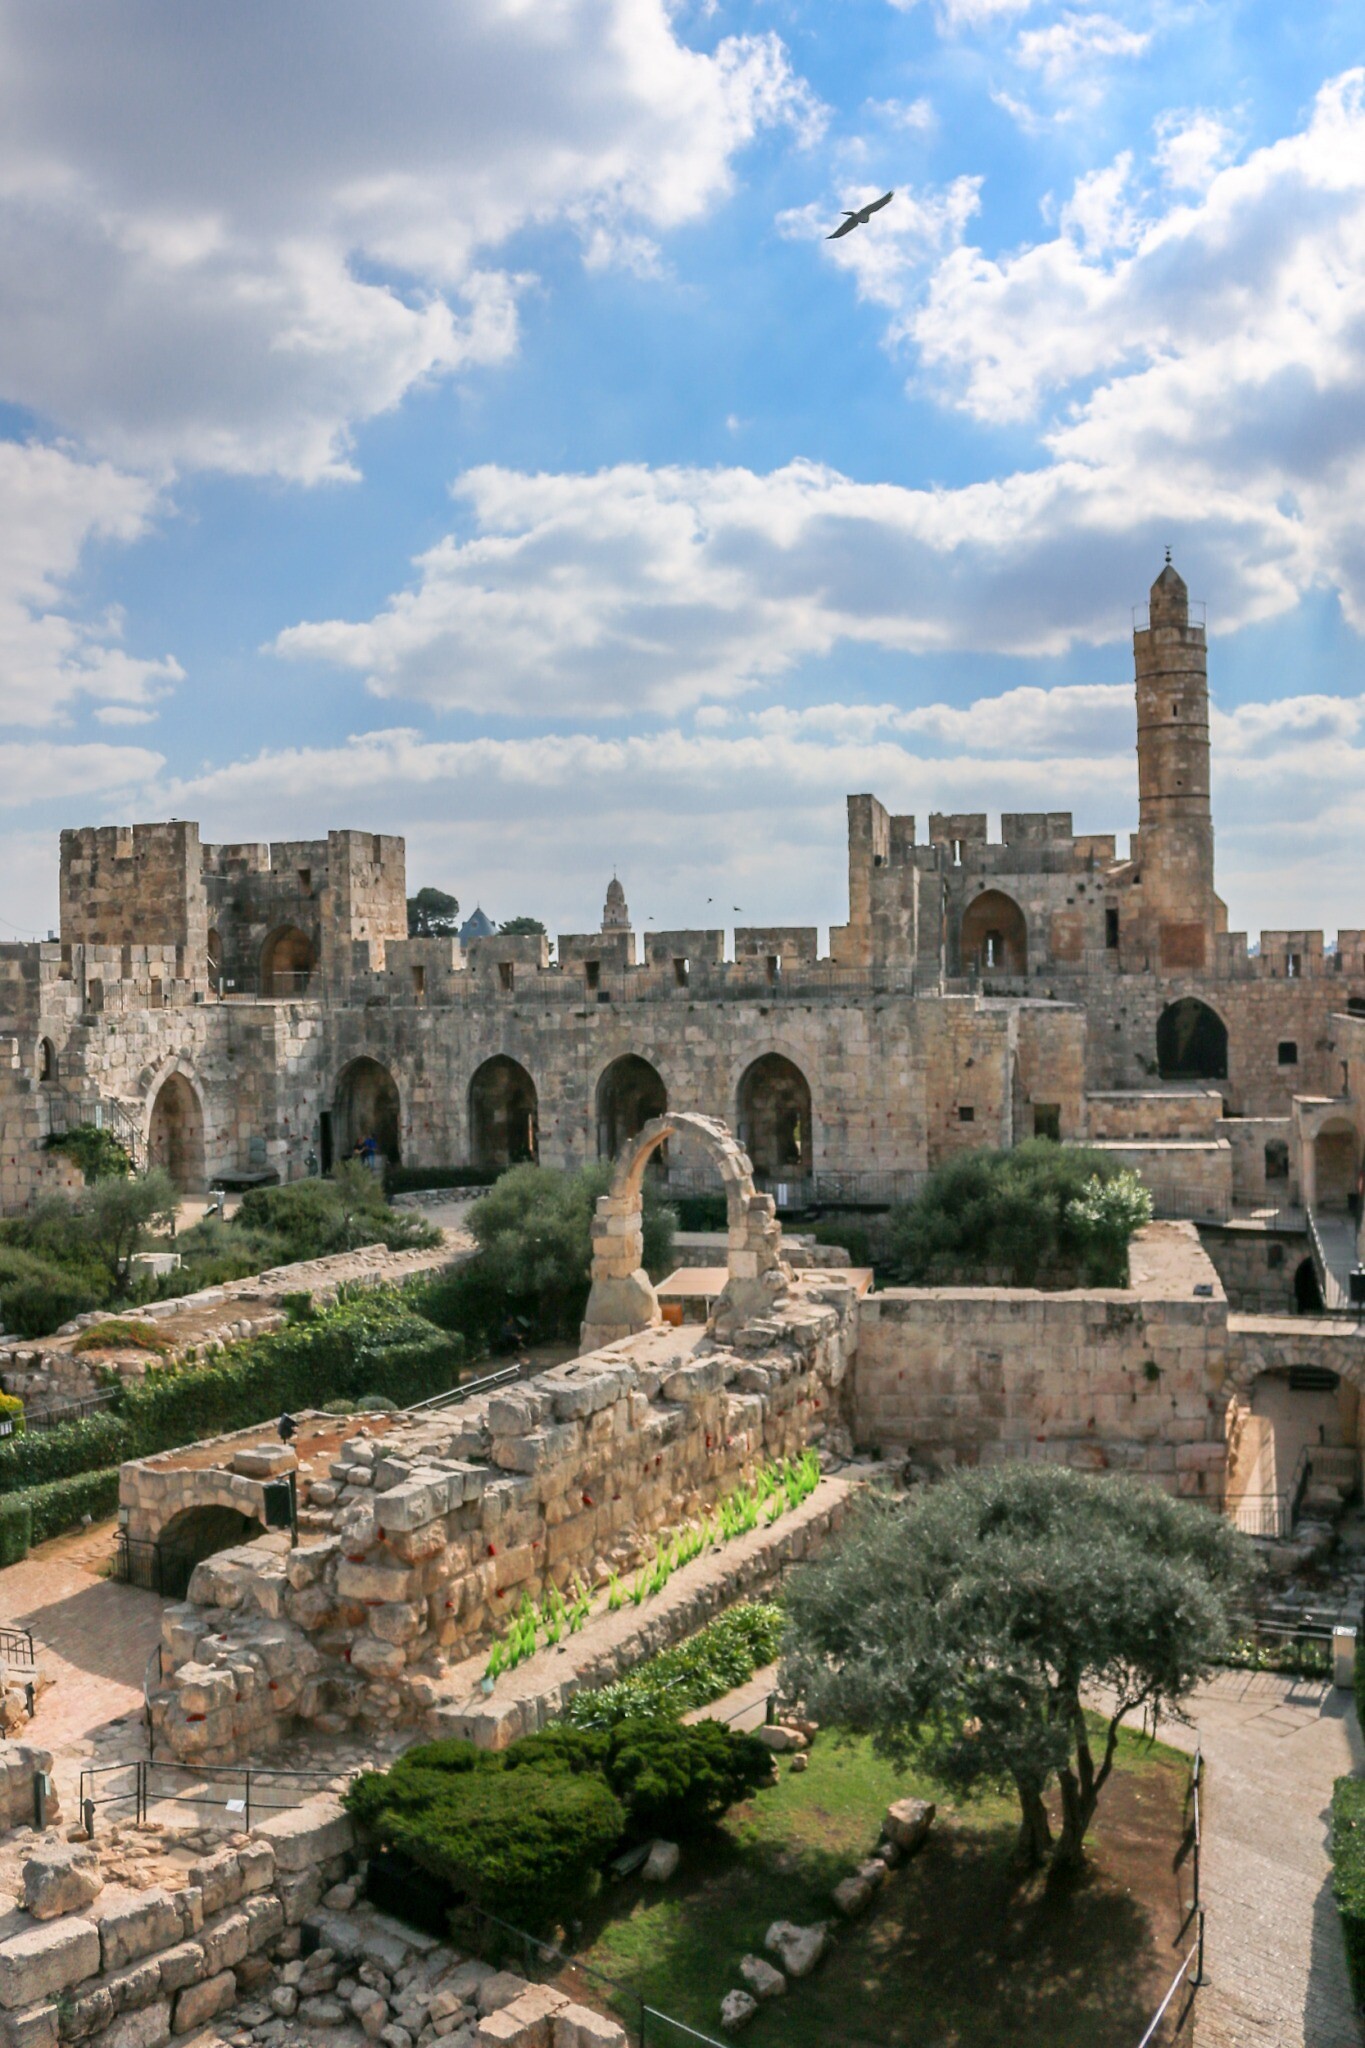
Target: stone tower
(616, 911)
(1173, 848)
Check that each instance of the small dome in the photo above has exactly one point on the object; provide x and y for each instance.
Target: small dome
(616, 914)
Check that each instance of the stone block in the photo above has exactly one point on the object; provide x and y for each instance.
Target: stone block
(61, 1877)
(737, 2008)
(497, 1989)
(418, 1500)
(761, 1978)
(35, 2026)
(577, 2026)
(225, 1940)
(184, 1964)
(907, 1823)
(43, 1961)
(198, 2003)
(308, 1834)
(661, 1863)
(798, 1949)
(136, 1986)
(149, 2028)
(136, 1924)
(374, 1581)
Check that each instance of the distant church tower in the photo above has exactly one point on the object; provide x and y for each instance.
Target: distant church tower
(616, 911)
(1173, 849)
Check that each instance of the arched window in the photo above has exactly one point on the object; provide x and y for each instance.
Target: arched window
(287, 961)
(775, 1118)
(47, 1060)
(994, 935)
(504, 1116)
(1191, 1042)
(629, 1094)
(367, 1117)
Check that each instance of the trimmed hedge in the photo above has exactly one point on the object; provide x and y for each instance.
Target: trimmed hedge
(373, 1344)
(1348, 1872)
(16, 1528)
(523, 1831)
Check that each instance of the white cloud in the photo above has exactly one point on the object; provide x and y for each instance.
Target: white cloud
(642, 591)
(37, 771)
(52, 507)
(917, 115)
(890, 258)
(1074, 43)
(226, 238)
(1191, 148)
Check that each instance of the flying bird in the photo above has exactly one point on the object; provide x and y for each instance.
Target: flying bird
(860, 217)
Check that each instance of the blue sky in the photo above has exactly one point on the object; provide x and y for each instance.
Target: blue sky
(452, 420)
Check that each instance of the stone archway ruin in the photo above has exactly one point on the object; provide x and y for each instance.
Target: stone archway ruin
(623, 1301)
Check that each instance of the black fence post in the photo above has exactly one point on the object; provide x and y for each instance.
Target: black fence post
(246, 1814)
(1199, 1960)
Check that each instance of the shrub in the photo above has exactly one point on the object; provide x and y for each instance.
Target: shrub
(16, 1528)
(701, 1212)
(534, 1231)
(522, 1831)
(676, 1779)
(38, 1295)
(1348, 1872)
(310, 1219)
(726, 1653)
(122, 1334)
(45, 1455)
(524, 1843)
(97, 1152)
(12, 1411)
(56, 1508)
(1040, 1213)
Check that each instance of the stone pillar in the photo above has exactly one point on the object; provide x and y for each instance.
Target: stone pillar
(622, 1301)
(758, 1275)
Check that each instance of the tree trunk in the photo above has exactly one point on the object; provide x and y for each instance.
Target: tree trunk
(1035, 1832)
(1078, 1810)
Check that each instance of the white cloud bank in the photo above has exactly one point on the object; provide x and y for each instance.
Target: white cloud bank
(228, 235)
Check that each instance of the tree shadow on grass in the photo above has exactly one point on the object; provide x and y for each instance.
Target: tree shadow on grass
(958, 1950)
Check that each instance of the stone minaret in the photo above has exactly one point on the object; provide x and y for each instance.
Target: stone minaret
(1173, 849)
(616, 911)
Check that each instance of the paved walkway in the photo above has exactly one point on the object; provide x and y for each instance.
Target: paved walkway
(1274, 1961)
(92, 1638)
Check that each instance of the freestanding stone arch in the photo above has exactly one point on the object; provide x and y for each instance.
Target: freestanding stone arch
(623, 1301)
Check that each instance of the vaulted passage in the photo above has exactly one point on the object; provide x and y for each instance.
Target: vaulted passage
(191, 1536)
(367, 1107)
(175, 1135)
(1191, 1042)
(775, 1118)
(287, 962)
(504, 1116)
(629, 1095)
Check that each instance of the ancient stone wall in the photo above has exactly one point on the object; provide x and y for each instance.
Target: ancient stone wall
(421, 1546)
(1256, 1266)
(1107, 1379)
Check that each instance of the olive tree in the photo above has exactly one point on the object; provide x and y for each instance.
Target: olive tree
(967, 1624)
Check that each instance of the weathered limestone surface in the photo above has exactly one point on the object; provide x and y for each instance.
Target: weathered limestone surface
(443, 1524)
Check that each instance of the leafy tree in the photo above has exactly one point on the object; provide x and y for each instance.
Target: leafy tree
(534, 1232)
(516, 927)
(1040, 1211)
(432, 914)
(964, 1625)
(115, 1215)
(96, 1151)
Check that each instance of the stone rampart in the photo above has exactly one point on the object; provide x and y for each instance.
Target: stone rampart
(423, 1544)
(1128, 1380)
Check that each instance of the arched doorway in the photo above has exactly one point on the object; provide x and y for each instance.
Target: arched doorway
(629, 1094)
(775, 1118)
(191, 1536)
(287, 961)
(367, 1107)
(994, 935)
(1191, 1042)
(175, 1134)
(504, 1116)
(1334, 1165)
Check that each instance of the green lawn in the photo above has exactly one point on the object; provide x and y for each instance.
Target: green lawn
(957, 1951)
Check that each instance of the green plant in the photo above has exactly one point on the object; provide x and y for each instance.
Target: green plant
(123, 1333)
(1348, 1872)
(38, 1295)
(55, 1508)
(96, 1151)
(726, 1653)
(12, 1411)
(299, 1307)
(16, 1528)
(1036, 1216)
(309, 1219)
(677, 1779)
(965, 1623)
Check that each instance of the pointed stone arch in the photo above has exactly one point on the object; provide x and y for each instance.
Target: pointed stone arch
(174, 1125)
(623, 1301)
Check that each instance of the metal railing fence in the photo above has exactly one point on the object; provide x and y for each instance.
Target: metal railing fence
(16, 1648)
(247, 1790)
(1190, 1974)
(59, 1412)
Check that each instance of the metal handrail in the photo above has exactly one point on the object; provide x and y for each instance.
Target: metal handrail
(16, 1647)
(1195, 1956)
(142, 1768)
(450, 1395)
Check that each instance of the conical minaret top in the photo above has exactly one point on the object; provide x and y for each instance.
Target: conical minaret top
(1170, 600)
